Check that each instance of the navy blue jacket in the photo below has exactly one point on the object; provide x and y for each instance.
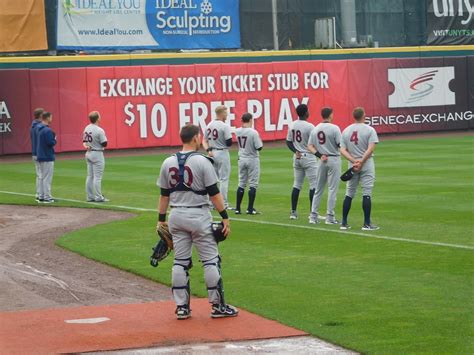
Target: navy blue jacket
(46, 140)
(33, 136)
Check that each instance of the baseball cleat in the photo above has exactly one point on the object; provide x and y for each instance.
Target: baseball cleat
(332, 221)
(39, 200)
(223, 310)
(90, 200)
(49, 200)
(344, 227)
(182, 312)
(238, 212)
(313, 219)
(103, 199)
(370, 227)
(293, 215)
(253, 212)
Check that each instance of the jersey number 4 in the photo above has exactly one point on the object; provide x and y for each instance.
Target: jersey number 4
(174, 176)
(242, 141)
(212, 134)
(354, 138)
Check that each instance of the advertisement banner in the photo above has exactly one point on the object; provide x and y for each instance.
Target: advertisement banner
(148, 24)
(22, 26)
(145, 106)
(450, 22)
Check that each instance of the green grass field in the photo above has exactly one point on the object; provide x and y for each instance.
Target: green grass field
(406, 288)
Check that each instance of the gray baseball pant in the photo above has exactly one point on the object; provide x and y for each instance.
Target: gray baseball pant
(307, 166)
(45, 179)
(95, 171)
(329, 173)
(222, 167)
(38, 172)
(249, 172)
(192, 226)
(366, 178)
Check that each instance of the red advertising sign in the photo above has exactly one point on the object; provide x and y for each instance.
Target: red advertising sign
(145, 106)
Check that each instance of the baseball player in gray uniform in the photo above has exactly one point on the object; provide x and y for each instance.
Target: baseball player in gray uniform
(187, 181)
(357, 145)
(304, 162)
(324, 142)
(217, 140)
(95, 141)
(250, 144)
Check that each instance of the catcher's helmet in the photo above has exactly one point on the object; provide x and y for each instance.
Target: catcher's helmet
(217, 228)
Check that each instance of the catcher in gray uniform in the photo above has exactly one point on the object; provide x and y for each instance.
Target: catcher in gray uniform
(250, 144)
(324, 142)
(358, 144)
(217, 140)
(95, 141)
(304, 162)
(187, 181)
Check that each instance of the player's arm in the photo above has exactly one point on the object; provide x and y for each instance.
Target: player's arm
(163, 205)
(103, 139)
(291, 146)
(218, 202)
(50, 138)
(347, 155)
(368, 153)
(228, 136)
(312, 148)
(355, 163)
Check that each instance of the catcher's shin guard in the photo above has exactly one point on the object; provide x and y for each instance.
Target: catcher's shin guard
(180, 281)
(215, 285)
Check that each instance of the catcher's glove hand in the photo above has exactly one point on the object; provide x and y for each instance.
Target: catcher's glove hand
(217, 228)
(164, 245)
(163, 231)
(348, 174)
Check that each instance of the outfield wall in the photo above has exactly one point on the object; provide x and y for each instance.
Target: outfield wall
(145, 105)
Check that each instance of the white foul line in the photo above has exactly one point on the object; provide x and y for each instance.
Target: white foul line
(288, 225)
(87, 320)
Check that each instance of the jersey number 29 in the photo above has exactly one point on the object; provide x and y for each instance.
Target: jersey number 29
(212, 134)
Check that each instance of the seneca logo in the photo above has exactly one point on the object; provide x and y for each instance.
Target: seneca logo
(420, 87)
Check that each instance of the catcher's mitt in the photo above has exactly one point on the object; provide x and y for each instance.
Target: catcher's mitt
(217, 228)
(164, 245)
(163, 231)
(348, 174)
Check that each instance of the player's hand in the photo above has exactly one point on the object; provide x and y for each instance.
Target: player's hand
(226, 229)
(357, 166)
(298, 155)
(324, 158)
(210, 154)
(159, 224)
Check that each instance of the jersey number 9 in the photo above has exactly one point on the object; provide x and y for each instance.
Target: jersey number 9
(321, 137)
